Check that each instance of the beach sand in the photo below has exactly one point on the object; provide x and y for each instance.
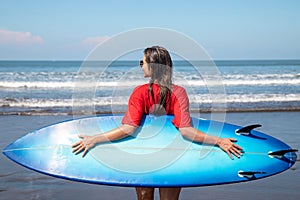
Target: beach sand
(17, 182)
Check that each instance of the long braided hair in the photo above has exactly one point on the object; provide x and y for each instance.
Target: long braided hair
(160, 63)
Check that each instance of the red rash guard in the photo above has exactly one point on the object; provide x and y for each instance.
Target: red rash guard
(141, 101)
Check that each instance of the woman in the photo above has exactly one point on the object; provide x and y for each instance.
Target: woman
(158, 97)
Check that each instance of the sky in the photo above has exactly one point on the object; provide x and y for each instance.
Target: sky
(226, 29)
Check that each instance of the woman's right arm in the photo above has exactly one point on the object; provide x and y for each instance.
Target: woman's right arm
(226, 144)
(89, 142)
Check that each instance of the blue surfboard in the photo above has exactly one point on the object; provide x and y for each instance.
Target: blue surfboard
(156, 156)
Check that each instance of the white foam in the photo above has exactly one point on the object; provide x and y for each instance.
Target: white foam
(244, 98)
(123, 100)
(132, 83)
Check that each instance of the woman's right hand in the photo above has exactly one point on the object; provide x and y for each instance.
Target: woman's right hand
(87, 142)
(227, 145)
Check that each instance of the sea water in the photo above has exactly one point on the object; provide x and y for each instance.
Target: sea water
(56, 87)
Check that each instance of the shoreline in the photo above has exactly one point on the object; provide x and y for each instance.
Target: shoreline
(204, 111)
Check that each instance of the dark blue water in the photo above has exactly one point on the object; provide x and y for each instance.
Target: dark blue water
(56, 87)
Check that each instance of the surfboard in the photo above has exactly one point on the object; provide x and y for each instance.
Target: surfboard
(155, 156)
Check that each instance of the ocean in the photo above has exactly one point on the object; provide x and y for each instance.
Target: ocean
(34, 94)
(65, 87)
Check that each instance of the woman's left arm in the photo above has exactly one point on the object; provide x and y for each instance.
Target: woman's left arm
(226, 144)
(89, 142)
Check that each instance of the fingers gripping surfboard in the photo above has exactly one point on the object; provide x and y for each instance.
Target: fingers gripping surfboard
(156, 156)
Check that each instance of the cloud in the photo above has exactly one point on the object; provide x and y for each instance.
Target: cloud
(93, 41)
(19, 38)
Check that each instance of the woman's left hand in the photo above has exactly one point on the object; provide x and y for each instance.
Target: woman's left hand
(84, 145)
(227, 145)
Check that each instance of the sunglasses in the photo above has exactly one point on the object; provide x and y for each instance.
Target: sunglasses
(141, 63)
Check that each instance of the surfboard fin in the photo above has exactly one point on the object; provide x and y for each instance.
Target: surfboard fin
(281, 153)
(247, 129)
(249, 174)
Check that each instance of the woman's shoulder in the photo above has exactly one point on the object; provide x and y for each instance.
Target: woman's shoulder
(141, 89)
(145, 87)
(177, 88)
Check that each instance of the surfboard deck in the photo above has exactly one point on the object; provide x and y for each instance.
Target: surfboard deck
(156, 156)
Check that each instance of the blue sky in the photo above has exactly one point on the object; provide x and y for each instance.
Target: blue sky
(227, 29)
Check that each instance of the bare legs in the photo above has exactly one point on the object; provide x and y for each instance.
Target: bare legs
(144, 193)
(169, 193)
